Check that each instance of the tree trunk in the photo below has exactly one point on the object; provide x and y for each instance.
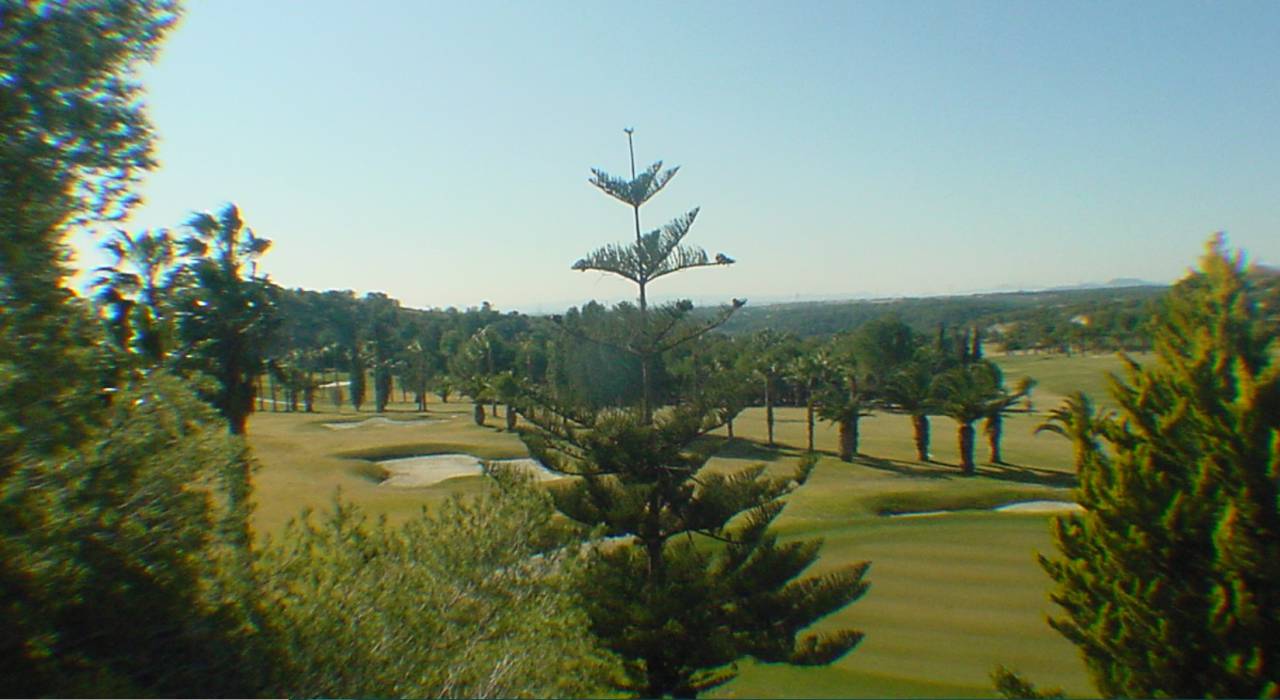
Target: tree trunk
(493, 408)
(729, 423)
(478, 413)
(511, 419)
(768, 407)
(995, 429)
(966, 450)
(921, 425)
(848, 440)
(809, 420)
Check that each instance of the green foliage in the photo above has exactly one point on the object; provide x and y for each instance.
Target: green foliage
(74, 137)
(1169, 580)
(477, 598)
(126, 565)
(1011, 684)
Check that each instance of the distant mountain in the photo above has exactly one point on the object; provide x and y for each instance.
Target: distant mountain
(1117, 283)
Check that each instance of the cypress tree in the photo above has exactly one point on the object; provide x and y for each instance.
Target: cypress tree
(1170, 579)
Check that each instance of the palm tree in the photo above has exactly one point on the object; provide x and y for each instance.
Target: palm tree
(227, 312)
(994, 424)
(809, 371)
(1080, 422)
(136, 287)
(506, 388)
(910, 390)
(767, 357)
(845, 403)
(966, 393)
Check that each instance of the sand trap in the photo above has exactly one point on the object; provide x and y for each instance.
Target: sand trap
(381, 422)
(926, 513)
(1019, 507)
(1041, 507)
(428, 470)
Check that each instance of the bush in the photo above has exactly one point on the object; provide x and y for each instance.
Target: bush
(473, 600)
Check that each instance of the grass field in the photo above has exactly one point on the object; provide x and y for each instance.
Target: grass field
(951, 595)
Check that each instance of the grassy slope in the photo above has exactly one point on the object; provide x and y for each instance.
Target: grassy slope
(951, 596)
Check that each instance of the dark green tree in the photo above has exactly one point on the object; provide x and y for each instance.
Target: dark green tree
(384, 320)
(1170, 579)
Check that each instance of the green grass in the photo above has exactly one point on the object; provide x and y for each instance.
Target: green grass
(1057, 376)
(951, 596)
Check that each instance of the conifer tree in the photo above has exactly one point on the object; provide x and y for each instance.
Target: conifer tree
(1170, 579)
(695, 580)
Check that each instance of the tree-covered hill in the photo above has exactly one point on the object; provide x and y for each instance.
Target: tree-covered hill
(1051, 318)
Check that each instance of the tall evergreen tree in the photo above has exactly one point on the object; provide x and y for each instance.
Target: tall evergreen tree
(653, 255)
(697, 581)
(1170, 579)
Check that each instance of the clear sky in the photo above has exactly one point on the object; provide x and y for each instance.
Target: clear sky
(439, 152)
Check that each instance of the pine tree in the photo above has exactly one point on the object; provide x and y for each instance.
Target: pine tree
(1171, 578)
(695, 580)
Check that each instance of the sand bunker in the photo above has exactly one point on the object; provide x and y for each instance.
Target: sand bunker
(1041, 507)
(427, 470)
(381, 422)
(1019, 507)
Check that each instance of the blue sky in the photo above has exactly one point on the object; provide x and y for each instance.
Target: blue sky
(440, 152)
